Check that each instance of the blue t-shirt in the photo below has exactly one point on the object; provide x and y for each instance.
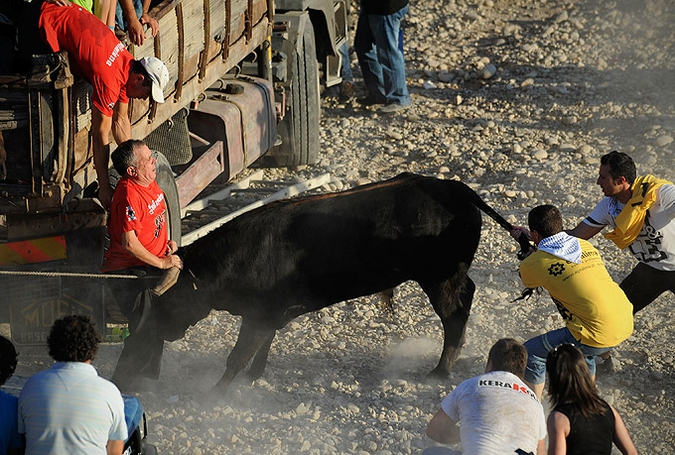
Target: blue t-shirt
(9, 434)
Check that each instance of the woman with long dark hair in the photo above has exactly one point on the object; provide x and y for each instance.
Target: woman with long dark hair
(581, 423)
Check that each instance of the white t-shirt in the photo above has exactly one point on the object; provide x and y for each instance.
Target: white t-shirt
(70, 409)
(655, 245)
(497, 414)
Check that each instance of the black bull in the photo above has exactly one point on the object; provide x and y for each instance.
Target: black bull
(296, 256)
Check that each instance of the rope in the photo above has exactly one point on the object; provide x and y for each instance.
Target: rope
(66, 274)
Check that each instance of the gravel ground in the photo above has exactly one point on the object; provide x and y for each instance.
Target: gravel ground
(518, 99)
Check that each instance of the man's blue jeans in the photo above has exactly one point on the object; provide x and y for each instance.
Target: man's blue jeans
(346, 68)
(539, 347)
(380, 57)
(121, 21)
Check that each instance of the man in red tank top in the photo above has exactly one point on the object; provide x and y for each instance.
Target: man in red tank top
(139, 245)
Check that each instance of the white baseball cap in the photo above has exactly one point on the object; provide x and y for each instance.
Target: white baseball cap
(159, 75)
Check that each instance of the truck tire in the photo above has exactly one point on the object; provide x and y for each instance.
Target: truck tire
(299, 131)
(167, 183)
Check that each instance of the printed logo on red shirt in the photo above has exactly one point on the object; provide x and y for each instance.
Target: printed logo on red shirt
(153, 206)
(131, 215)
(115, 52)
(160, 220)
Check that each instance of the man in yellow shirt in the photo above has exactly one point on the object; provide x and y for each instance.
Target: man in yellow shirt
(597, 313)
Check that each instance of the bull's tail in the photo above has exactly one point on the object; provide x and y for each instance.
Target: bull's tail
(523, 241)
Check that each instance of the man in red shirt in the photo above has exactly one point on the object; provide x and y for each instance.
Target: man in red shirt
(139, 245)
(102, 60)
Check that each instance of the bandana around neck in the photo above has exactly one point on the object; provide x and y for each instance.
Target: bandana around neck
(629, 222)
(563, 246)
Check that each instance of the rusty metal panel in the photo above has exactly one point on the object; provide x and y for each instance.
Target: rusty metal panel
(241, 115)
(200, 173)
(220, 121)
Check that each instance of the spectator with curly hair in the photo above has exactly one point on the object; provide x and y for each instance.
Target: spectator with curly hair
(10, 440)
(69, 408)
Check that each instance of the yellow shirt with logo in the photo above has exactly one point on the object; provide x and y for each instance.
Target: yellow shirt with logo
(594, 307)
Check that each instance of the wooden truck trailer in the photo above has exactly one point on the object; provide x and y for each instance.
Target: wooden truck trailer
(245, 79)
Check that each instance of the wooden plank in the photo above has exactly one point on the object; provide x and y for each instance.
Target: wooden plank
(217, 19)
(238, 19)
(193, 24)
(258, 10)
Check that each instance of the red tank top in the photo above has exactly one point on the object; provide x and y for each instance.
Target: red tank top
(95, 52)
(140, 209)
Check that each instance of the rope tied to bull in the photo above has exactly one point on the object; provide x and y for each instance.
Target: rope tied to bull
(67, 274)
(168, 278)
(527, 247)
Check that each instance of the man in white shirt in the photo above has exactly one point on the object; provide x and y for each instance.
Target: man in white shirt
(69, 408)
(495, 413)
(640, 210)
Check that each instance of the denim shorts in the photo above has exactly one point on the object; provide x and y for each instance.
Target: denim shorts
(539, 347)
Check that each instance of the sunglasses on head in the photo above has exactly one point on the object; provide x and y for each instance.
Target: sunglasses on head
(555, 349)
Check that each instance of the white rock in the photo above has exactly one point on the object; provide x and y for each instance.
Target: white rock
(562, 17)
(663, 140)
(488, 71)
(540, 154)
(394, 134)
(530, 48)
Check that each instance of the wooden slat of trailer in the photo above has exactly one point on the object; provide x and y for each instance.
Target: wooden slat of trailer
(193, 25)
(258, 10)
(238, 19)
(217, 19)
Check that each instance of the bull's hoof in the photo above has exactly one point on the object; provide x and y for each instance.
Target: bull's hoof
(217, 396)
(254, 375)
(438, 373)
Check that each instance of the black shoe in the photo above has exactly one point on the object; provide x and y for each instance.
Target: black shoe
(370, 101)
(136, 385)
(605, 368)
(347, 90)
(392, 108)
